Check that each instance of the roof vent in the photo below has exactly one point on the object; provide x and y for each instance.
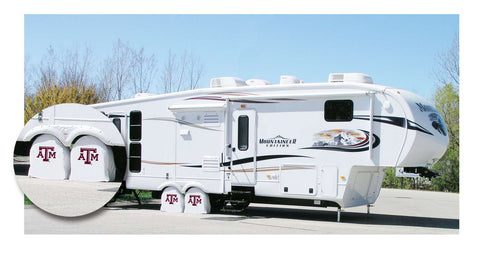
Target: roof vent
(257, 82)
(290, 80)
(226, 82)
(349, 78)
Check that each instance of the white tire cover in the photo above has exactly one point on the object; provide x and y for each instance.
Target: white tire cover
(172, 200)
(91, 160)
(49, 159)
(197, 201)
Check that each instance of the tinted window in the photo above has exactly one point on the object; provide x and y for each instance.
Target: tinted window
(135, 157)
(338, 110)
(135, 125)
(118, 123)
(243, 133)
(135, 117)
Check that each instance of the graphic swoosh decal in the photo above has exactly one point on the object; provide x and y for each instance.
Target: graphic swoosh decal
(249, 160)
(349, 148)
(396, 121)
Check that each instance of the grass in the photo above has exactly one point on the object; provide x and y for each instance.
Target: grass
(142, 194)
(26, 201)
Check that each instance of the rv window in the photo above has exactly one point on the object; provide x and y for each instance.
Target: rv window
(118, 123)
(242, 133)
(338, 110)
(135, 125)
(135, 157)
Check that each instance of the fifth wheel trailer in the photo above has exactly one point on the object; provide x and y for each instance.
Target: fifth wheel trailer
(318, 144)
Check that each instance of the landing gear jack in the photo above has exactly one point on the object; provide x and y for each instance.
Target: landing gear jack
(368, 208)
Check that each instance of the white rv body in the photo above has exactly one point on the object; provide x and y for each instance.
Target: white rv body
(190, 139)
(324, 144)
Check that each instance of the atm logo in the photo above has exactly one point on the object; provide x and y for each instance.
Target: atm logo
(46, 153)
(171, 198)
(88, 155)
(194, 200)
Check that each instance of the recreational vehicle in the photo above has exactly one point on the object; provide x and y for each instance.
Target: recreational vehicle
(237, 142)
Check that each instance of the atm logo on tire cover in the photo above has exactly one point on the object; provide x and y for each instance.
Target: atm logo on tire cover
(46, 153)
(88, 155)
(194, 200)
(171, 198)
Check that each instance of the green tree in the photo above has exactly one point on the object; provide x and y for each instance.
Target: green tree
(392, 181)
(51, 94)
(447, 103)
(62, 79)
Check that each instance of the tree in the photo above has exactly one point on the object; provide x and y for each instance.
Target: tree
(144, 69)
(117, 73)
(62, 79)
(447, 103)
(52, 94)
(448, 68)
(182, 73)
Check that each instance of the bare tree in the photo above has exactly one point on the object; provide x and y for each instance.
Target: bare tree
(28, 77)
(48, 68)
(117, 72)
(182, 73)
(68, 69)
(168, 73)
(448, 69)
(75, 67)
(195, 71)
(144, 69)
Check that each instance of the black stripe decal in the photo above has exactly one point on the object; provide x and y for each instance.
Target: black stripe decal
(393, 120)
(414, 126)
(397, 121)
(249, 160)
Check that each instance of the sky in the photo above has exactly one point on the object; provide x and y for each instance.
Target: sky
(395, 50)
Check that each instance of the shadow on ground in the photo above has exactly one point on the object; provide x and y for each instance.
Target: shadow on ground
(316, 215)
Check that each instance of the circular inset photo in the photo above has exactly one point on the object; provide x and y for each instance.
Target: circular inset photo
(70, 159)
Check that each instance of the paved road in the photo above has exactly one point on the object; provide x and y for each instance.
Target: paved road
(65, 197)
(395, 212)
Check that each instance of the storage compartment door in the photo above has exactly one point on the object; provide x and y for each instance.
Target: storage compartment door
(328, 180)
(298, 179)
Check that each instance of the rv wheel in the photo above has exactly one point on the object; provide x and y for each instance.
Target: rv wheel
(217, 202)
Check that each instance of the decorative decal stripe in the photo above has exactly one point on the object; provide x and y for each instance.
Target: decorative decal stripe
(272, 169)
(249, 160)
(169, 119)
(233, 93)
(393, 120)
(397, 121)
(160, 163)
(259, 158)
(350, 148)
(218, 98)
(414, 126)
(222, 97)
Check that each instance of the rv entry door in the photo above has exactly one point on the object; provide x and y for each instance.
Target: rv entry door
(244, 147)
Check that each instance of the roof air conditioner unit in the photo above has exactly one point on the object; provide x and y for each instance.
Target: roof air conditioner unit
(349, 78)
(290, 80)
(226, 82)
